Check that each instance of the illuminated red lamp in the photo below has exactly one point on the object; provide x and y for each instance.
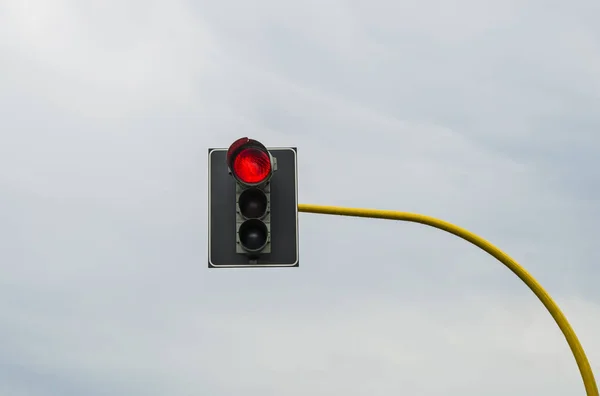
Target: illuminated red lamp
(249, 161)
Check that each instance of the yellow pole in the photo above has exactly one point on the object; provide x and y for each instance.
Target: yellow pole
(582, 362)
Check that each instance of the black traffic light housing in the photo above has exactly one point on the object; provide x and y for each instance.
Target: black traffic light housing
(252, 167)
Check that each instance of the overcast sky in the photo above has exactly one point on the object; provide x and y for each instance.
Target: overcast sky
(482, 113)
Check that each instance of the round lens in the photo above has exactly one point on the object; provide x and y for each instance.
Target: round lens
(253, 203)
(252, 166)
(253, 235)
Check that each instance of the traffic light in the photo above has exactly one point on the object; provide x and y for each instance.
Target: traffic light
(253, 206)
(252, 166)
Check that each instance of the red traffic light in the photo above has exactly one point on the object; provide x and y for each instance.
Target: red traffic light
(252, 166)
(249, 161)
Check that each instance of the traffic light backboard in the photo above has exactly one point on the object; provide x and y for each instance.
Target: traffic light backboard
(252, 206)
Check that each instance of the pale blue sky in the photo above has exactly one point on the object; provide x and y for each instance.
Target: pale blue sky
(483, 113)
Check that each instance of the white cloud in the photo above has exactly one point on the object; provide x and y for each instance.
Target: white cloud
(374, 346)
(107, 59)
(484, 114)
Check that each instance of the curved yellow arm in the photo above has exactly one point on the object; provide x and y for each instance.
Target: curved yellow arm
(582, 362)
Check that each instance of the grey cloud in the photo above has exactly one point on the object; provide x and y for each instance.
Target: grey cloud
(484, 115)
